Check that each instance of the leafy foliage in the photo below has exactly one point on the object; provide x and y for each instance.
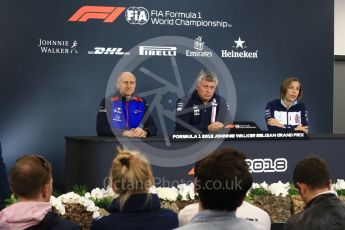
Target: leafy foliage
(341, 192)
(80, 189)
(293, 190)
(259, 192)
(179, 197)
(56, 193)
(102, 203)
(11, 200)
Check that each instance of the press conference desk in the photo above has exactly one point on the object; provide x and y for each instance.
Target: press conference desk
(88, 159)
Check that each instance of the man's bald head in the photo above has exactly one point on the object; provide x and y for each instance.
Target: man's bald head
(126, 83)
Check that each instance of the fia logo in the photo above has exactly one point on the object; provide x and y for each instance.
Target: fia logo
(137, 15)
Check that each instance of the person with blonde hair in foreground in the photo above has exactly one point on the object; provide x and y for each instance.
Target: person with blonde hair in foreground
(135, 208)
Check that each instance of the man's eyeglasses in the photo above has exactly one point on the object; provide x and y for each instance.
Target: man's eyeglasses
(43, 161)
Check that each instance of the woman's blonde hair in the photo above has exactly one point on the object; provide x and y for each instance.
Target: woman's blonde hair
(131, 173)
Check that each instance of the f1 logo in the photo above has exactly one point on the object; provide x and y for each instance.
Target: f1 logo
(107, 13)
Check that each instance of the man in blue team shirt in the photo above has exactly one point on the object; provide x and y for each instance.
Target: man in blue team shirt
(126, 112)
(204, 110)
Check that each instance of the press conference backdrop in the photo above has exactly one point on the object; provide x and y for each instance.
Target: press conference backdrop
(59, 58)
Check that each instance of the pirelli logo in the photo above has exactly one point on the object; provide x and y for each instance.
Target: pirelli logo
(106, 13)
(157, 51)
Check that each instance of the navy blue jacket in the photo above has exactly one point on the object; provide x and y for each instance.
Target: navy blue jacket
(324, 212)
(297, 114)
(53, 222)
(137, 213)
(192, 111)
(125, 114)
